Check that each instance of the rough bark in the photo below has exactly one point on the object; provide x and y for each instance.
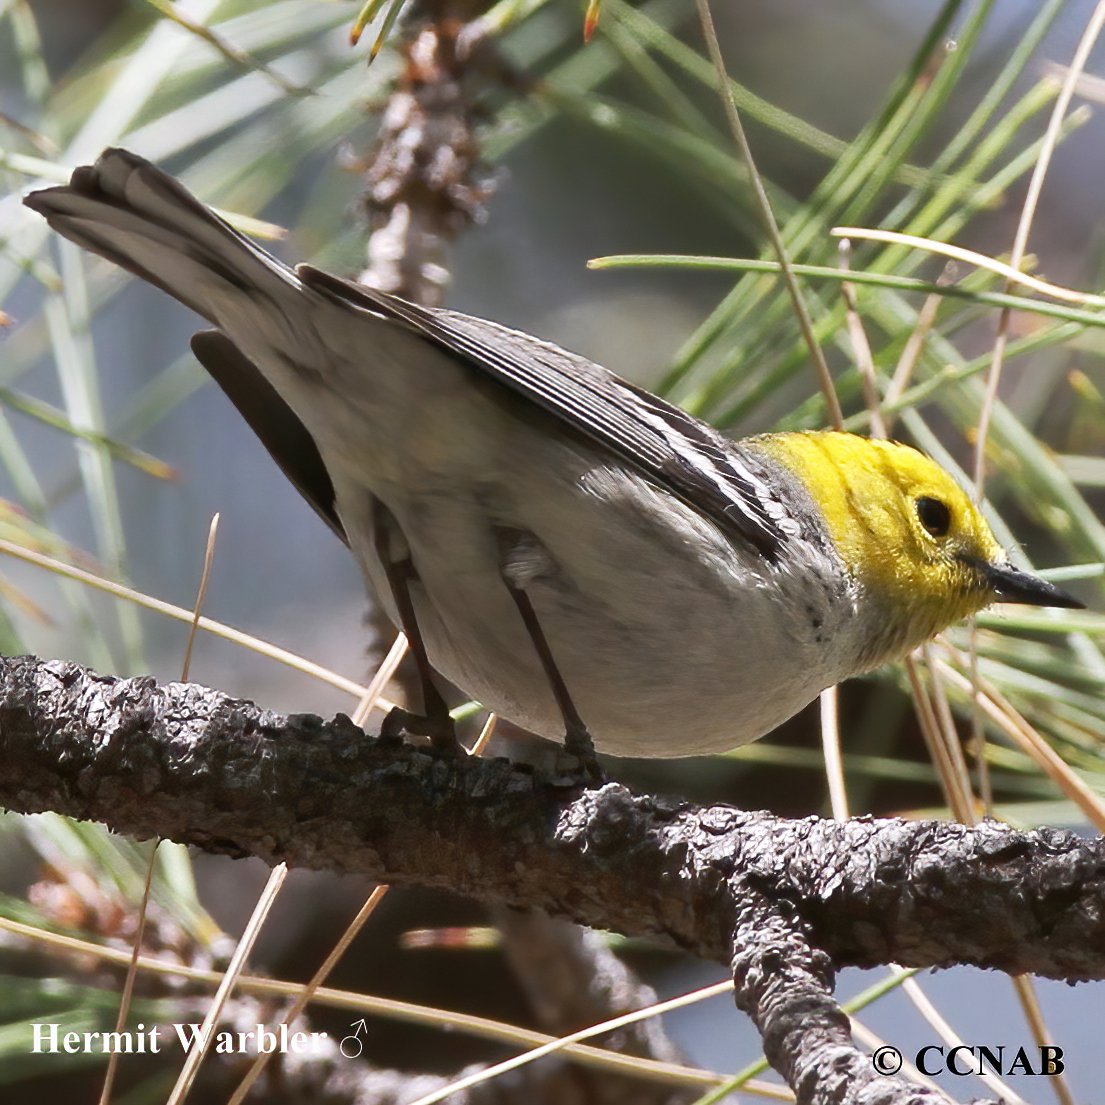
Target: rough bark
(786, 902)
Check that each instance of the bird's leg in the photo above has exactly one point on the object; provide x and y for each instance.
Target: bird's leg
(522, 559)
(435, 721)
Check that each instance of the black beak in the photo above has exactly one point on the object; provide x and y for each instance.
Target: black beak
(1012, 585)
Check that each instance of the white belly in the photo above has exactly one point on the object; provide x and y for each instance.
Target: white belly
(671, 640)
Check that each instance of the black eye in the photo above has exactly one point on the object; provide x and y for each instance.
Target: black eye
(934, 515)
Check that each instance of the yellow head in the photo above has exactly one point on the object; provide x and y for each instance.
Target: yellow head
(921, 552)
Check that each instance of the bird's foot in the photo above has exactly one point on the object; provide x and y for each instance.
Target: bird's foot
(441, 730)
(577, 760)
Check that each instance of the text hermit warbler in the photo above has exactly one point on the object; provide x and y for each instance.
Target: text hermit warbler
(579, 555)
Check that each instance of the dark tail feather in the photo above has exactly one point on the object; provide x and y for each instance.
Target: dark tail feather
(128, 211)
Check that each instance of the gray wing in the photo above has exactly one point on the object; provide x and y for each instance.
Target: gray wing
(272, 420)
(127, 210)
(685, 456)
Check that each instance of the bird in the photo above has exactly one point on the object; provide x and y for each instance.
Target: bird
(579, 555)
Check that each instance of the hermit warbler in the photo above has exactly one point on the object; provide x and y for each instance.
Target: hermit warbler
(579, 555)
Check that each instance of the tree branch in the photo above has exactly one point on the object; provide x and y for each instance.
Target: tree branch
(787, 902)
